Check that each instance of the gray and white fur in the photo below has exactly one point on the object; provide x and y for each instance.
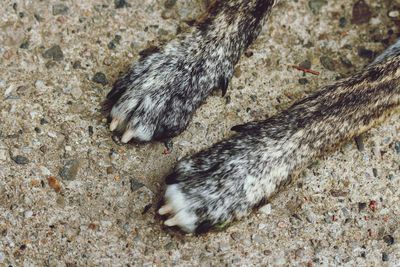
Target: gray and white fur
(157, 97)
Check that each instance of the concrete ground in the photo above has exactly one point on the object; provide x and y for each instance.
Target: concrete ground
(71, 195)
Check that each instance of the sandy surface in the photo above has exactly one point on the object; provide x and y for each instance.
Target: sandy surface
(71, 196)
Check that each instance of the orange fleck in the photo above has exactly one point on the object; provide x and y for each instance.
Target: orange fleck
(54, 183)
(92, 226)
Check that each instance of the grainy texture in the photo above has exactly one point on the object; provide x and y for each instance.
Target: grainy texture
(341, 211)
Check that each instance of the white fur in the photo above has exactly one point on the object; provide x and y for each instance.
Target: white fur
(175, 198)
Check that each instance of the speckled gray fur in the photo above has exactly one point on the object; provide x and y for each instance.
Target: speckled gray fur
(157, 97)
(160, 93)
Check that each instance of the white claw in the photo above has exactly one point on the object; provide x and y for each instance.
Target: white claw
(114, 124)
(171, 222)
(165, 209)
(127, 136)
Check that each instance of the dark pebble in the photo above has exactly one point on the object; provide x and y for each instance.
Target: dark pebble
(397, 147)
(327, 63)
(121, 4)
(146, 208)
(342, 22)
(388, 239)
(362, 206)
(169, 4)
(135, 184)
(361, 13)
(346, 62)
(38, 17)
(385, 256)
(114, 42)
(375, 172)
(366, 53)
(248, 53)
(77, 64)
(24, 45)
(101, 78)
(43, 121)
(111, 45)
(90, 130)
(70, 170)
(60, 9)
(303, 81)
(170, 246)
(360, 143)
(54, 52)
(20, 159)
(306, 64)
(43, 149)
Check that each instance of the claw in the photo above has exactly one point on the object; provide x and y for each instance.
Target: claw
(127, 136)
(165, 209)
(114, 124)
(171, 222)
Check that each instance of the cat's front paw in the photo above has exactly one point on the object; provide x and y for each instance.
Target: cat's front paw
(153, 100)
(224, 183)
(157, 97)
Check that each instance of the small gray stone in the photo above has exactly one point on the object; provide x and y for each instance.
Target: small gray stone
(327, 63)
(385, 256)
(60, 9)
(258, 239)
(303, 81)
(342, 22)
(361, 13)
(24, 45)
(170, 246)
(306, 64)
(388, 239)
(316, 5)
(135, 184)
(54, 53)
(121, 4)
(169, 4)
(397, 147)
(70, 170)
(366, 53)
(20, 160)
(100, 78)
(346, 62)
(360, 143)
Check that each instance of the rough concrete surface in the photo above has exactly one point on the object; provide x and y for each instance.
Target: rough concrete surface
(72, 195)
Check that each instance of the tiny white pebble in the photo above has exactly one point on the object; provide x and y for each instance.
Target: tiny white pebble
(40, 86)
(52, 134)
(394, 14)
(267, 209)
(28, 213)
(44, 171)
